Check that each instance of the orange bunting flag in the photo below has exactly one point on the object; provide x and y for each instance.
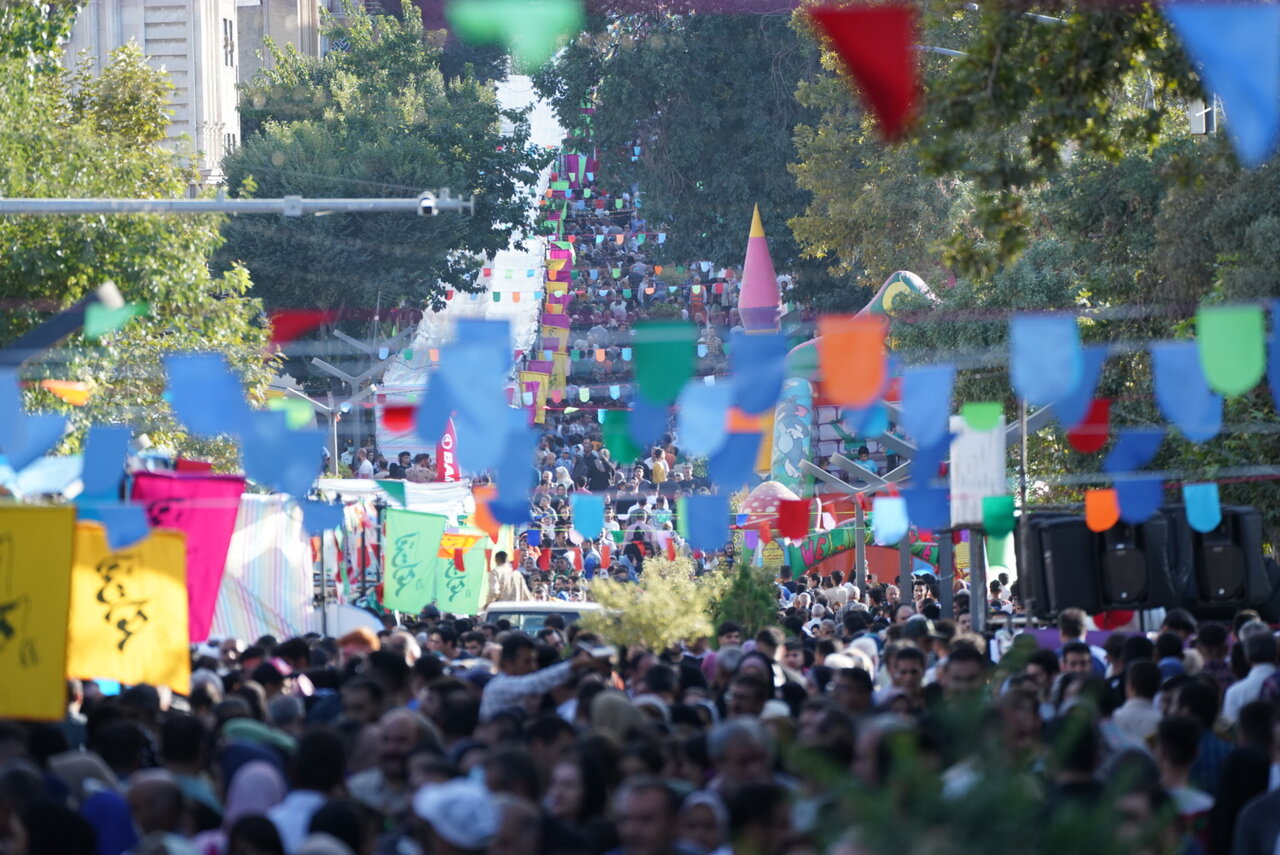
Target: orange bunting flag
(72, 392)
(852, 360)
(1101, 509)
(485, 520)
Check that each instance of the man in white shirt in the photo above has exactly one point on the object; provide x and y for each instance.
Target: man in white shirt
(505, 583)
(1260, 652)
(1137, 718)
(362, 467)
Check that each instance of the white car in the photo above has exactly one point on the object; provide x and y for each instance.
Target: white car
(531, 615)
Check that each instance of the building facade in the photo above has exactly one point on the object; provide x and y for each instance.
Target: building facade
(293, 23)
(195, 42)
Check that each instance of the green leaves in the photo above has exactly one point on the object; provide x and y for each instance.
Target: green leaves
(79, 135)
(711, 96)
(377, 119)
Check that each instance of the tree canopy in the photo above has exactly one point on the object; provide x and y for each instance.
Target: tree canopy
(708, 99)
(375, 119)
(77, 135)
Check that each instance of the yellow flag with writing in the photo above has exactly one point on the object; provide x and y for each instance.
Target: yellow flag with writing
(35, 587)
(129, 610)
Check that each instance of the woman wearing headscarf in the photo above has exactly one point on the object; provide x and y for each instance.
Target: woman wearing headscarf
(255, 788)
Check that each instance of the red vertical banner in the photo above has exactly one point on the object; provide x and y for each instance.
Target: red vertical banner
(204, 507)
(446, 457)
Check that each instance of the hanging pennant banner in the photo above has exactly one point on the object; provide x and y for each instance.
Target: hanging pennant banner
(926, 402)
(1234, 48)
(35, 596)
(757, 362)
(793, 518)
(889, 520)
(1091, 434)
(647, 423)
(1204, 509)
(876, 44)
(702, 418)
(1133, 449)
(997, 515)
(707, 521)
(852, 359)
(128, 618)
(1139, 498)
(665, 358)
(732, 466)
(204, 508)
(927, 507)
(1101, 509)
(1045, 359)
(1074, 406)
(588, 514)
(1182, 392)
(410, 555)
(1232, 343)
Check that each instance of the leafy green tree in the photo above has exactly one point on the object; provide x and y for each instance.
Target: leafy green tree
(34, 31)
(750, 599)
(709, 101)
(667, 605)
(1026, 95)
(76, 135)
(377, 118)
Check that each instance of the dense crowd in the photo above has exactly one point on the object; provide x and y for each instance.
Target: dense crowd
(450, 734)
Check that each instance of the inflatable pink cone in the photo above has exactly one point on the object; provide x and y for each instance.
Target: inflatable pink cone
(759, 302)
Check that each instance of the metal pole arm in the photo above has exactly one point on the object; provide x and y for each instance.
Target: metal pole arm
(429, 203)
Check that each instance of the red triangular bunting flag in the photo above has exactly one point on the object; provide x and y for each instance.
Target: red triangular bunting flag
(876, 44)
(457, 561)
(671, 549)
(1091, 434)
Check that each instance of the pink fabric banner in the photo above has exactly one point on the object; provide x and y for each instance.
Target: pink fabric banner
(205, 508)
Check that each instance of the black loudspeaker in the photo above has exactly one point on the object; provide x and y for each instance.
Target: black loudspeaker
(1066, 565)
(1056, 559)
(1224, 568)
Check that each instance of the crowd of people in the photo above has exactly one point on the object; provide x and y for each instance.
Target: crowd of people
(450, 734)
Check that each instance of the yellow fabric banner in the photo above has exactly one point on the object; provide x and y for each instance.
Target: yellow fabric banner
(559, 370)
(129, 610)
(539, 396)
(35, 592)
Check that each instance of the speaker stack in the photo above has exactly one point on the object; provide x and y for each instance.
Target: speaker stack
(1160, 563)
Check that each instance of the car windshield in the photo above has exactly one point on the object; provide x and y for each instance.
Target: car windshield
(530, 622)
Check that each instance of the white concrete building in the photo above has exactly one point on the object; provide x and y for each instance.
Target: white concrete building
(196, 43)
(286, 22)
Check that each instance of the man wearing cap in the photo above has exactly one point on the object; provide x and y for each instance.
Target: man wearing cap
(458, 818)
